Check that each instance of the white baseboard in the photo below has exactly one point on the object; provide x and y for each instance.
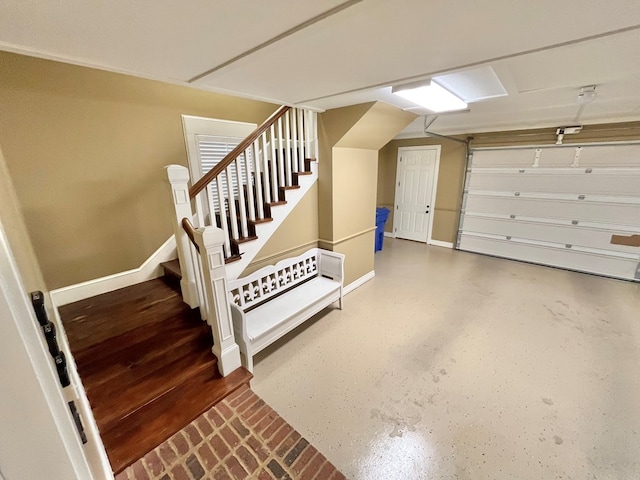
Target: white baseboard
(439, 243)
(359, 282)
(389, 234)
(149, 270)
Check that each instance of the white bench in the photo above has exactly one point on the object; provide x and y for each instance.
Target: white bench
(271, 302)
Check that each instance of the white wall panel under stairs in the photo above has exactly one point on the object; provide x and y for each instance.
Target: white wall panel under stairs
(264, 230)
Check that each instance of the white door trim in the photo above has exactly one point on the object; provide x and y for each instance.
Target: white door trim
(434, 189)
(54, 430)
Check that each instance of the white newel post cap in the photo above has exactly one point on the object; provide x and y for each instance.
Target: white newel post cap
(211, 236)
(177, 174)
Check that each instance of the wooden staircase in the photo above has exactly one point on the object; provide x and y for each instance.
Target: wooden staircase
(145, 360)
(145, 357)
(237, 240)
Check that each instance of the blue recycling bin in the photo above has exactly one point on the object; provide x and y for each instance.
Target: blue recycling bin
(382, 214)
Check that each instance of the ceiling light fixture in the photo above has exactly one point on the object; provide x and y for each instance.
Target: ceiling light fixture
(431, 96)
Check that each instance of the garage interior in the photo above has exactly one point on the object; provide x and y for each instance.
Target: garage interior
(501, 343)
(467, 366)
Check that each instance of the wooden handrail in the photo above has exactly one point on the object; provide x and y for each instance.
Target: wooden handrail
(235, 153)
(188, 228)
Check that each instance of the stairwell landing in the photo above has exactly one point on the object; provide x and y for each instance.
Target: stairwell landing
(145, 361)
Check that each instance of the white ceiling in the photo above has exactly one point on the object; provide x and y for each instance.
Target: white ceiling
(332, 53)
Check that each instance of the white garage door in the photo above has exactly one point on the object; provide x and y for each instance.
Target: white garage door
(557, 206)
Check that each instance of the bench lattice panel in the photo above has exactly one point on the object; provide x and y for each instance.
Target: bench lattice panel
(271, 281)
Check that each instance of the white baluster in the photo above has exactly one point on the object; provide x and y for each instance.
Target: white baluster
(211, 193)
(265, 169)
(197, 264)
(294, 136)
(280, 156)
(248, 164)
(300, 136)
(178, 177)
(233, 214)
(287, 146)
(241, 181)
(210, 241)
(274, 170)
(308, 127)
(314, 133)
(223, 216)
(201, 210)
(258, 179)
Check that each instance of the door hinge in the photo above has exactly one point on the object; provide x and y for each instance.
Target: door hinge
(398, 183)
(78, 421)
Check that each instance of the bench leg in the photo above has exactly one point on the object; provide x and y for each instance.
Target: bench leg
(249, 362)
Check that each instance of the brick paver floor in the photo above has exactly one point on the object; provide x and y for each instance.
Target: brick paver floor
(241, 437)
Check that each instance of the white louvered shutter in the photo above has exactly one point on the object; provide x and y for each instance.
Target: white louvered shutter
(211, 150)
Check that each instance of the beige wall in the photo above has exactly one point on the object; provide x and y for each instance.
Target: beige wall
(354, 199)
(16, 231)
(452, 165)
(30, 389)
(349, 141)
(325, 180)
(356, 264)
(297, 234)
(85, 149)
(449, 185)
(354, 190)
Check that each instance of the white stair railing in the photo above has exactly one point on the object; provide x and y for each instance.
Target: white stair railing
(210, 241)
(230, 200)
(241, 188)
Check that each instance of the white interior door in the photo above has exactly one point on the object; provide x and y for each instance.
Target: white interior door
(415, 193)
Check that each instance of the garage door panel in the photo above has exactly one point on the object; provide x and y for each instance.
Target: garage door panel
(504, 158)
(579, 184)
(618, 267)
(573, 235)
(556, 157)
(605, 213)
(557, 206)
(610, 156)
(605, 156)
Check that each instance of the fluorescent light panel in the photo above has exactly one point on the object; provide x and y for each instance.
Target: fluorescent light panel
(431, 96)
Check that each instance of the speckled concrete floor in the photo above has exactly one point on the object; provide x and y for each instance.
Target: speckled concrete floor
(455, 365)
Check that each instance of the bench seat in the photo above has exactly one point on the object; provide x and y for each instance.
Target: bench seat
(274, 300)
(277, 311)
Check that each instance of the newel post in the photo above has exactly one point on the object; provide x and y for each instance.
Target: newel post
(211, 241)
(178, 177)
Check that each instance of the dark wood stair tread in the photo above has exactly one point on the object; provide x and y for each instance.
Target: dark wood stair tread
(232, 258)
(145, 361)
(244, 239)
(134, 390)
(90, 322)
(138, 359)
(172, 268)
(130, 439)
(261, 220)
(279, 202)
